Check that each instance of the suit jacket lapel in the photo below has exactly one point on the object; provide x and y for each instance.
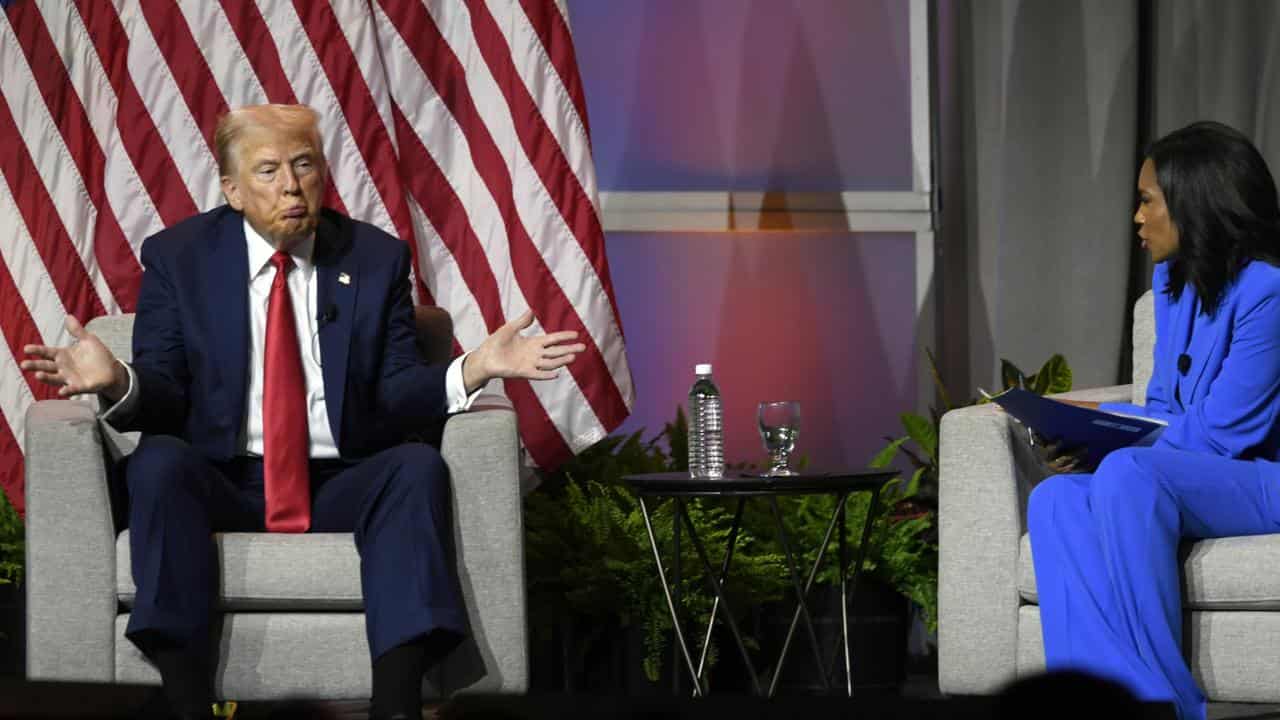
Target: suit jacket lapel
(227, 313)
(337, 283)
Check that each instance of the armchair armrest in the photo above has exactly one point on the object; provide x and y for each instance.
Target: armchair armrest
(986, 472)
(482, 452)
(71, 561)
(984, 476)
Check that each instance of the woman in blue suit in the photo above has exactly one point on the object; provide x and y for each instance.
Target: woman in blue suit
(1105, 543)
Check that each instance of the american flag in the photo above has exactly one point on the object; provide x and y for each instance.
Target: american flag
(457, 125)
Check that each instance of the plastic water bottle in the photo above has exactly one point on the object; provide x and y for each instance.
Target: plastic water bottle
(706, 431)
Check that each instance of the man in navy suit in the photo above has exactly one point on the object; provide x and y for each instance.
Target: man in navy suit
(274, 373)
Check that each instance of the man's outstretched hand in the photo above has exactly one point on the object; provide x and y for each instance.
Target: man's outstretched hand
(84, 366)
(508, 354)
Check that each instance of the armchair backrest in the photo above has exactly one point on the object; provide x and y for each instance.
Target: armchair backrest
(116, 332)
(1144, 340)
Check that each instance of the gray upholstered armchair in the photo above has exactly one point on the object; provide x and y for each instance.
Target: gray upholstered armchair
(989, 622)
(293, 624)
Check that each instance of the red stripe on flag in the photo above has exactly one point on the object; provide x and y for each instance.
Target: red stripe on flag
(438, 200)
(119, 265)
(190, 70)
(19, 330)
(543, 150)
(51, 240)
(260, 48)
(367, 129)
(143, 143)
(419, 32)
(556, 39)
(12, 468)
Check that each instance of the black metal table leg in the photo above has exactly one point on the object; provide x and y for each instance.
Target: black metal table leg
(724, 575)
(808, 583)
(719, 593)
(671, 605)
(859, 559)
(844, 597)
(677, 587)
(801, 592)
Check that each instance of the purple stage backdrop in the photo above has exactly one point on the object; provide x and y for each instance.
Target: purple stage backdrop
(766, 95)
(825, 319)
(747, 94)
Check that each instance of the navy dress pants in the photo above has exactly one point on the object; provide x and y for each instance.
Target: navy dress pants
(396, 504)
(1105, 552)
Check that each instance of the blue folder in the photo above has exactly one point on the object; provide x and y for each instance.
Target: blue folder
(1097, 431)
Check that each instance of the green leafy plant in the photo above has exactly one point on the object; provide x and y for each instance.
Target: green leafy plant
(12, 544)
(909, 550)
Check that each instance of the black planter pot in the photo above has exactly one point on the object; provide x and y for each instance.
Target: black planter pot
(878, 627)
(13, 631)
(584, 655)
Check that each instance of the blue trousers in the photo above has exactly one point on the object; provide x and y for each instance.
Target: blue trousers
(1105, 552)
(396, 504)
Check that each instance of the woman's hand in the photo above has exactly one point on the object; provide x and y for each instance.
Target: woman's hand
(1058, 460)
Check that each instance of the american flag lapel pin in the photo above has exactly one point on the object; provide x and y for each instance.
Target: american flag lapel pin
(344, 278)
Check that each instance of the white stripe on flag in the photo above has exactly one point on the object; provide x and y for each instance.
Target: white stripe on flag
(357, 25)
(222, 53)
(444, 279)
(27, 268)
(125, 193)
(552, 99)
(15, 396)
(168, 110)
(52, 159)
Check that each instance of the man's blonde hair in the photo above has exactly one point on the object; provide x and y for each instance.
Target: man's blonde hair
(232, 127)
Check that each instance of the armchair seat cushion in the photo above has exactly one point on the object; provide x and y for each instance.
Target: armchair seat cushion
(273, 571)
(1230, 573)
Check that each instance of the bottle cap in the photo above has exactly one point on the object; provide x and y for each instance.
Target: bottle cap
(702, 369)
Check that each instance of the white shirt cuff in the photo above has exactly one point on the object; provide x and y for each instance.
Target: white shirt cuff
(455, 389)
(126, 406)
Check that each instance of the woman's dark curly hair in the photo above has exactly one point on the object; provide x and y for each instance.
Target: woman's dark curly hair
(1222, 200)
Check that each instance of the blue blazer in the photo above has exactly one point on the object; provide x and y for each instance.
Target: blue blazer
(191, 341)
(1227, 401)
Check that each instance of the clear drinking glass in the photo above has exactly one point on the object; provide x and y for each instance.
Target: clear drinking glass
(779, 424)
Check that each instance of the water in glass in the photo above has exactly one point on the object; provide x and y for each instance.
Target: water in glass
(779, 424)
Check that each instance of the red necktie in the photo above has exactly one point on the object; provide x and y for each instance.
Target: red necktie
(285, 434)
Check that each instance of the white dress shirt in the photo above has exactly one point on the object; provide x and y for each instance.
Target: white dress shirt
(302, 292)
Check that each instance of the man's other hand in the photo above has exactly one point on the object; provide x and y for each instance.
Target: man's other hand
(508, 354)
(84, 366)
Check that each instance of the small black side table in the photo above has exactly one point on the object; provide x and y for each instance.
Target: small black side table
(679, 486)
